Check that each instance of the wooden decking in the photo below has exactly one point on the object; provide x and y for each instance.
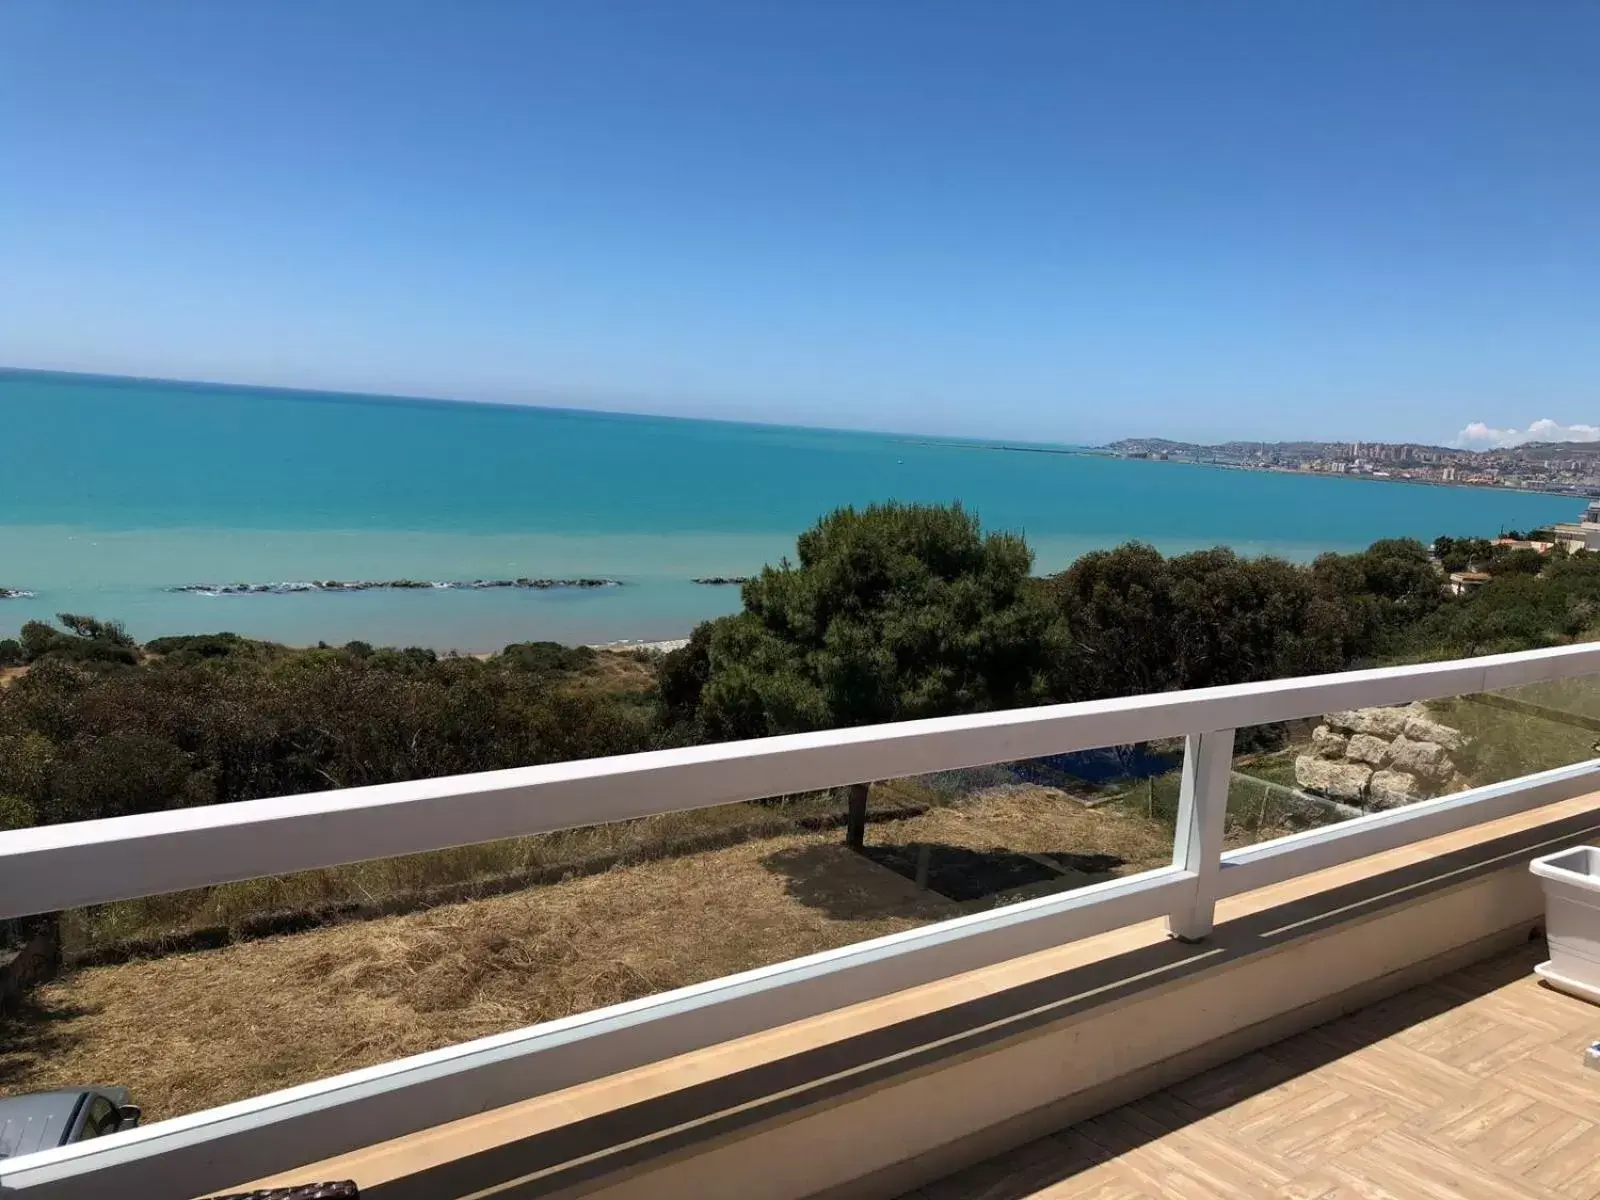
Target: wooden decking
(1472, 1087)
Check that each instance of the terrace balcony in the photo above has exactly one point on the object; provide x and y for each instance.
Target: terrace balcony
(1347, 1010)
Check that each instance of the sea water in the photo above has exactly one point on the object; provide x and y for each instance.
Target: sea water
(113, 491)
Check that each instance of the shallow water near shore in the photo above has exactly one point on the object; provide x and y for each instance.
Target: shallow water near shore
(113, 491)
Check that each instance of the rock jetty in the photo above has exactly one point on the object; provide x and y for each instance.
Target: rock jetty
(1377, 758)
(376, 585)
(14, 594)
(722, 580)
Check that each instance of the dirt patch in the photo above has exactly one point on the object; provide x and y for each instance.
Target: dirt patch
(8, 674)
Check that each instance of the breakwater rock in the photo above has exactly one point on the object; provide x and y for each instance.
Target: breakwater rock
(14, 594)
(383, 585)
(722, 580)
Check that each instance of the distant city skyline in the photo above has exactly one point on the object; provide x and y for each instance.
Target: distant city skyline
(1048, 223)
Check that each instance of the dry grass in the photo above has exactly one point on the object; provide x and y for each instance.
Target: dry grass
(621, 671)
(194, 1030)
(1012, 841)
(1039, 821)
(8, 674)
(222, 913)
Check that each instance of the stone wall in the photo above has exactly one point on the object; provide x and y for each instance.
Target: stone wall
(1379, 758)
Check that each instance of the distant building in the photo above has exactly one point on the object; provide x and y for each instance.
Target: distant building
(1526, 544)
(1462, 582)
(1580, 535)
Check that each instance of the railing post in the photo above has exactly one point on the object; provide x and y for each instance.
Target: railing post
(1202, 814)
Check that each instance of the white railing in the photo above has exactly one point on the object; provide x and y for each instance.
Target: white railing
(92, 862)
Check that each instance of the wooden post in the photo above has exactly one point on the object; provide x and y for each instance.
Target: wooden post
(855, 829)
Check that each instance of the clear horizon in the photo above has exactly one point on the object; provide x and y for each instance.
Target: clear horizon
(1056, 226)
(416, 398)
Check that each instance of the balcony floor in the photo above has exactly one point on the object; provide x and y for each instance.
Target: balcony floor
(1469, 1087)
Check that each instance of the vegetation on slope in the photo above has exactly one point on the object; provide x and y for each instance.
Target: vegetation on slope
(888, 613)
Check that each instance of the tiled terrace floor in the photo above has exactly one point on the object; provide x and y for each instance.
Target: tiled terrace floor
(1469, 1087)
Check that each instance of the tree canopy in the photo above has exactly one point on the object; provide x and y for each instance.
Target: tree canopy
(891, 612)
(1140, 622)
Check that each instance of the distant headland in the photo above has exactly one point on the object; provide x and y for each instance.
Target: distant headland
(1559, 468)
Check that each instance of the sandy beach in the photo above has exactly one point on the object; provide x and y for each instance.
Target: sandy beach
(664, 646)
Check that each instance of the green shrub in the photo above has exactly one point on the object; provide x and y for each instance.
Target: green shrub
(215, 719)
(110, 632)
(16, 813)
(208, 645)
(547, 657)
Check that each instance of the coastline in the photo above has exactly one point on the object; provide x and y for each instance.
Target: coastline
(658, 646)
(1105, 452)
(626, 646)
(1289, 474)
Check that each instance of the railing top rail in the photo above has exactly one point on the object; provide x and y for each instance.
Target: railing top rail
(65, 866)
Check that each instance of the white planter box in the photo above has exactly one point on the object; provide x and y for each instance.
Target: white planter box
(1571, 880)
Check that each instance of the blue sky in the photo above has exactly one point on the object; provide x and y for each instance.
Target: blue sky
(1060, 221)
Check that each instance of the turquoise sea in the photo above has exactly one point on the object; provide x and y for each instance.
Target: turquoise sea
(114, 490)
